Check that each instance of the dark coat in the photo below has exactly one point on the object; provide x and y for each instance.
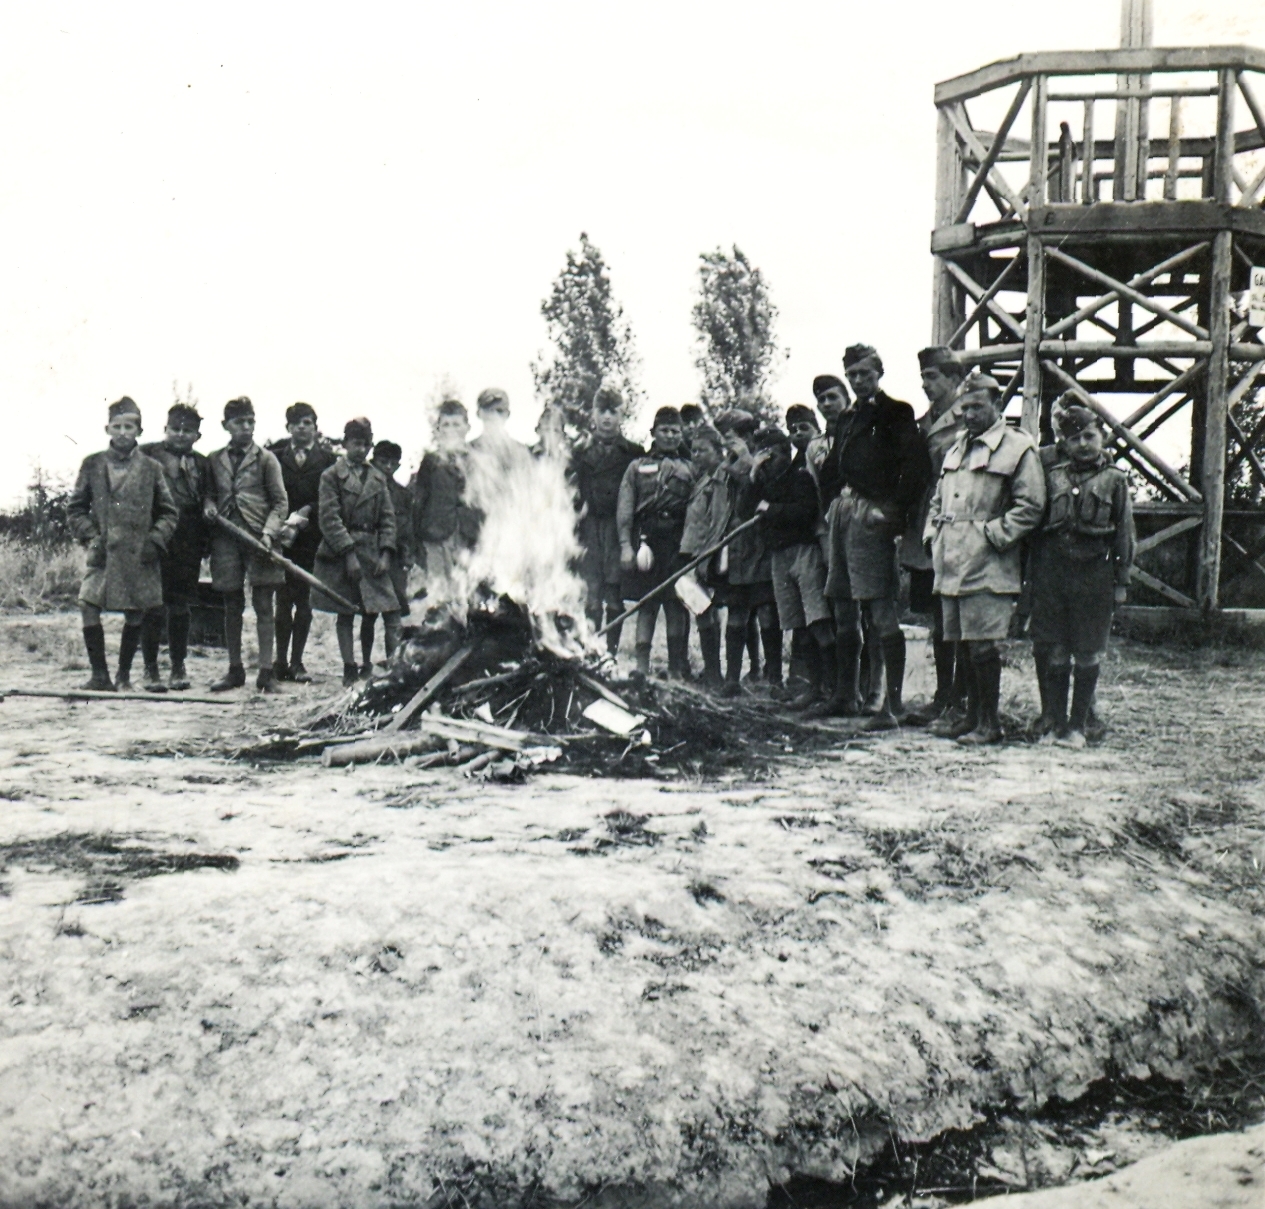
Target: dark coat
(189, 481)
(126, 531)
(791, 517)
(597, 469)
(439, 507)
(880, 453)
(356, 515)
(303, 489)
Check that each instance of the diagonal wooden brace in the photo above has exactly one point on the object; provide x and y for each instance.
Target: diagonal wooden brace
(1111, 296)
(986, 166)
(956, 114)
(983, 302)
(977, 291)
(1125, 291)
(1125, 434)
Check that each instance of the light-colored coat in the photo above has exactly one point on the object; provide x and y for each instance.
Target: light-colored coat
(126, 530)
(255, 491)
(991, 494)
(357, 516)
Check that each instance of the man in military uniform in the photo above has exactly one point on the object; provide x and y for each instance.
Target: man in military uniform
(990, 495)
(304, 458)
(650, 519)
(1081, 563)
(597, 469)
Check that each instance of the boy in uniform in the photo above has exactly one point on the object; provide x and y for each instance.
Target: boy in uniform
(357, 542)
(122, 510)
(1081, 564)
(750, 599)
(387, 456)
(188, 477)
(248, 490)
(650, 519)
(990, 495)
(304, 458)
(789, 513)
(941, 426)
(873, 480)
(445, 527)
(597, 469)
(692, 419)
(706, 522)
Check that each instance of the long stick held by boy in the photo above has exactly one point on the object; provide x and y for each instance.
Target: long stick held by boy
(122, 510)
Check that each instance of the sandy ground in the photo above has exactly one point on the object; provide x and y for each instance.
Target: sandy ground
(414, 986)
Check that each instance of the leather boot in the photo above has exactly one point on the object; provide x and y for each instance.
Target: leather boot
(265, 682)
(351, 675)
(954, 725)
(94, 642)
(988, 695)
(1045, 721)
(735, 648)
(235, 677)
(1085, 681)
(771, 640)
(128, 645)
(642, 654)
(1057, 681)
(679, 657)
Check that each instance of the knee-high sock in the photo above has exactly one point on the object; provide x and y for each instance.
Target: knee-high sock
(367, 625)
(753, 643)
(391, 626)
(94, 643)
(847, 663)
(265, 626)
(943, 653)
(284, 621)
(298, 640)
(1085, 680)
(127, 648)
(987, 670)
(771, 639)
(234, 610)
(178, 619)
(894, 666)
(344, 629)
(709, 642)
(1041, 658)
(1057, 678)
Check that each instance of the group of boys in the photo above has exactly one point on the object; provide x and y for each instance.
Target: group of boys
(966, 503)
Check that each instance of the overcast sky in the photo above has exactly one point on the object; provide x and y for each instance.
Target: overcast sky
(343, 204)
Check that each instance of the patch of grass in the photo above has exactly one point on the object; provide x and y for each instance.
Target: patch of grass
(38, 577)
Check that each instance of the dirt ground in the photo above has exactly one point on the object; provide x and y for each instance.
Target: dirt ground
(275, 984)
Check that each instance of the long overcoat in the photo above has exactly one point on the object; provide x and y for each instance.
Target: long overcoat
(355, 515)
(126, 530)
(991, 494)
(942, 434)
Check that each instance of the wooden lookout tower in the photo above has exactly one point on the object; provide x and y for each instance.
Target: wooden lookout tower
(1098, 217)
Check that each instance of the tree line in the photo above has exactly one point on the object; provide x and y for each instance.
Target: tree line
(736, 349)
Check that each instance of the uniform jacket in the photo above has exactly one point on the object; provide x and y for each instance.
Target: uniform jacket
(941, 434)
(653, 496)
(990, 495)
(255, 491)
(597, 469)
(303, 490)
(708, 512)
(793, 511)
(749, 560)
(439, 507)
(1089, 514)
(356, 514)
(188, 478)
(126, 530)
(879, 452)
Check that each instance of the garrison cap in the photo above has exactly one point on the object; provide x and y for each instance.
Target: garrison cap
(389, 450)
(823, 382)
(185, 412)
(940, 356)
(691, 413)
(735, 419)
(705, 432)
(770, 438)
(608, 398)
(1074, 418)
(854, 354)
(666, 415)
(124, 407)
(981, 382)
(798, 413)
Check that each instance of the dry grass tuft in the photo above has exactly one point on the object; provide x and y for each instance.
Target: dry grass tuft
(37, 577)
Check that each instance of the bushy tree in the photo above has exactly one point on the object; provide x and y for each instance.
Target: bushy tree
(733, 321)
(592, 341)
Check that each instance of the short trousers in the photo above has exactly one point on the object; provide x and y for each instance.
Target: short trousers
(921, 597)
(666, 549)
(1073, 601)
(799, 581)
(180, 582)
(862, 551)
(232, 563)
(979, 617)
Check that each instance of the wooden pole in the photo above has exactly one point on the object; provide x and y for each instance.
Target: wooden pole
(87, 694)
(1216, 415)
(945, 310)
(249, 539)
(1034, 323)
(430, 689)
(671, 579)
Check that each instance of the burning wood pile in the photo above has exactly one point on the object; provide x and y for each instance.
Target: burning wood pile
(504, 675)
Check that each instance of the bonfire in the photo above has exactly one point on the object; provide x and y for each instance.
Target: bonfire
(504, 673)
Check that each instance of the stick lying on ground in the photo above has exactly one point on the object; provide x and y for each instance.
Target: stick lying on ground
(85, 694)
(432, 728)
(280, 559)
(671, 579)
(430, 689)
